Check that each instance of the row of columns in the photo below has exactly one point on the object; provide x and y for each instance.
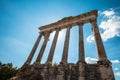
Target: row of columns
(99, 44)
(39, 57)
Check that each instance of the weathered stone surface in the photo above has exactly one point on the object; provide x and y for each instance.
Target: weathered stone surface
(72, 21)
(68, 71)
(43, 47)
(52, 49)
(66, 46)
(33, 50)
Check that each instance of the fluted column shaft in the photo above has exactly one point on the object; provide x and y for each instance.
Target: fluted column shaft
(100, 48)
(43, 47)
(52, 49)
(81, 43)
(34, 49)
(66, 46)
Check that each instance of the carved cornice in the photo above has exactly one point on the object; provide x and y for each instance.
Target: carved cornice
(72, 21)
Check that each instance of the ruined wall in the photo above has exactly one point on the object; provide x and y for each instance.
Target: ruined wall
(66, 72)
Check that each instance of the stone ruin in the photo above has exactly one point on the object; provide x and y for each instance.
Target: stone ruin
(81, 70)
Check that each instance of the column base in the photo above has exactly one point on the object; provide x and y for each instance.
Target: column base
(106, 72)
(26, 64)
(105, 62)
(61, 68)
(48, 63)
(81, 61)
(36, 64)
(63, 63)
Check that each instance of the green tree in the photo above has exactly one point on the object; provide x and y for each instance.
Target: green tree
(7, 71)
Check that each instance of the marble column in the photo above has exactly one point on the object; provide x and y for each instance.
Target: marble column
(66, 46)
(81, 43)
(46, 37)
(52, 49)
(99, 44)
(33, 49)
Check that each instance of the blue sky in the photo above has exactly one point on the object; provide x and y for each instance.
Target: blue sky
(20, 19)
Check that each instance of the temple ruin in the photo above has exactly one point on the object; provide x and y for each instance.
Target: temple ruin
(81, 70)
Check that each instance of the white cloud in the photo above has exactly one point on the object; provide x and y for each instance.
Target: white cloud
(115, 61)
(91, 60)
(110, 26)
(117, 74)
(116, 69)
(108, 12)
(90, 38)
(94, 60)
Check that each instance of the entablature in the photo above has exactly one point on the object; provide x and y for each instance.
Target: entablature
(70, 21)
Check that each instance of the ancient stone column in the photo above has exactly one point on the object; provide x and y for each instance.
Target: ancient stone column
(33, 49)
(81, 61)
(66, 46)
(81, 43)
(52, 49)
(100, 48)
(43, 47)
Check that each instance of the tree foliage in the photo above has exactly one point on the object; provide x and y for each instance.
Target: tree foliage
(7, 71)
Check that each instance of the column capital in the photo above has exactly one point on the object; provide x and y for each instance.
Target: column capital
(42, 48)
(58, 29)
(68, 26)
(80, 23)
(93, 21)
(41, 33)
(46, 34)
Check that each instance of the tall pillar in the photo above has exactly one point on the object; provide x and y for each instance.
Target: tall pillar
(66, 46)
(100, 48)
(81, 61)
(81, 43)
(43, 47)
(52, 49)
(33, 49)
